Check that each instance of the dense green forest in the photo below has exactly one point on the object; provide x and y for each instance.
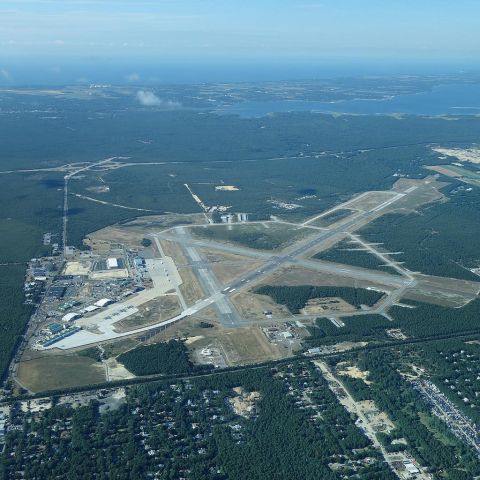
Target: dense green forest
(422, 321)
(85, 216)
(13, 312)
(96, 133)
(31, 206)
(352, 254)
(295, 298)
(189, 426)
(432, 320)
(357, 328)
(171, 357)
(442, 239)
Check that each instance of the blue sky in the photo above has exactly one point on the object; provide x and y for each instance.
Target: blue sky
(124, 40)
(240, 28)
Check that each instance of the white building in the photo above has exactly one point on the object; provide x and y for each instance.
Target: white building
(103, 302)
(112, 263)
(70, 317)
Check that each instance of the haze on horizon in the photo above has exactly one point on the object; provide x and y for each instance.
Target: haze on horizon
(53, 36)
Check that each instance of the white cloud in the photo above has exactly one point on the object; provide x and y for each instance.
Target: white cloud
(133, 77)
(149, 99)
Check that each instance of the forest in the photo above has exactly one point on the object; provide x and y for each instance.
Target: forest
(441, 239)
(421, 321)
(432, 320)
(88, 124)
(167, 358)
(357, 328)
(296, 297)
(14, 313)
(23, 221)
(189, 428)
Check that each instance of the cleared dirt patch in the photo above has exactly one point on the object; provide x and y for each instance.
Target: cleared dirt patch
(471, 155)
(244, 403)
(98, 188)
(353, 371)
(77, 268)
(116, 371)
(322, 306)
(247, 345)
(252, 306)
(379, 420)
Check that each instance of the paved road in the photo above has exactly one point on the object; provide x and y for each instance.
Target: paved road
(352, 406)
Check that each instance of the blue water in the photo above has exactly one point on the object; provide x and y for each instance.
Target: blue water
(441, 100)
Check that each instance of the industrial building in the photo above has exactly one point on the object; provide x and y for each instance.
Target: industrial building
(227, 218)
(103, 302)
(55, 328)
(56, 292)
(70, 317)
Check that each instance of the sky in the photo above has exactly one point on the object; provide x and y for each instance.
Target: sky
(55, 33)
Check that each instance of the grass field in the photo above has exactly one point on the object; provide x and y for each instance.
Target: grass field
(268, 236)
(333, 217)
(352, 253)
(52, 372)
